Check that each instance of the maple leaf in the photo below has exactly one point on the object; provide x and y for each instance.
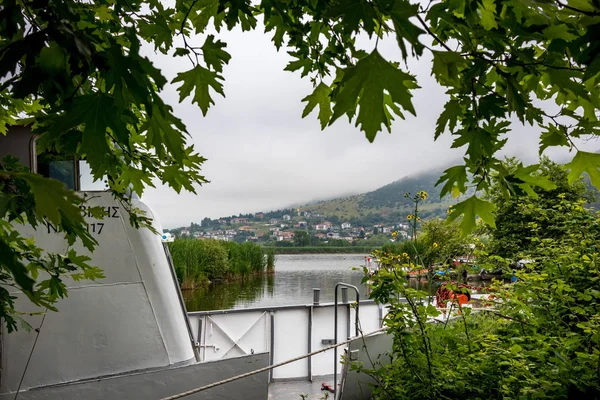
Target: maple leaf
(470, 209)
(16, 268)
(526, 179)
(492, 106)
(200, 80)
(552, 136)
(98, 113)
(406, 30)
(352, 12)
(585, 162)
(479, 142)
(53, 200)
(365, 85)
(214, 55)
(593, 68)
(302, 62)
(446, 66)
(455, 177)
(448, 117)
(515, 98)
(488, 14)
(157, 30)
(320, 97)
(559, 32)
(162, 128)
(207, 9)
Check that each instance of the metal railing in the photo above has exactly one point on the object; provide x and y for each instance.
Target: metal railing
(345, 287)
(282, 331)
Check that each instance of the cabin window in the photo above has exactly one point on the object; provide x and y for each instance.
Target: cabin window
(59, 167)
(74, 173)
(86, 179)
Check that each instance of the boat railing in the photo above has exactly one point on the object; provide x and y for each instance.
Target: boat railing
(285, 332)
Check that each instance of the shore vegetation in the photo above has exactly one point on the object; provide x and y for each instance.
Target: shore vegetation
(198, 262)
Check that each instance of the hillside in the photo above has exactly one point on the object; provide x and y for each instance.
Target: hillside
(388, 202)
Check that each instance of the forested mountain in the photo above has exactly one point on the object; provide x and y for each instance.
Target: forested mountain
(387, 202)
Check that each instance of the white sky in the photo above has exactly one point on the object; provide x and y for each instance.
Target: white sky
(262, 155)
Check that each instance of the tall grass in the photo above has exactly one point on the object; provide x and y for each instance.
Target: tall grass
(412, 248)
(270, 261)
(199, 261)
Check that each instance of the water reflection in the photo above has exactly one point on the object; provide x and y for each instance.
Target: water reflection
(293, 282)
(225, 295)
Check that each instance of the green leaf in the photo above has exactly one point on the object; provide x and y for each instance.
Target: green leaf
(517, 102)
(352, 13)
(365, 85)
(552, 136)
(164, 131)
(446, 66)
(53, 59)
(134, 178)
(488, 14)
(515, 349)
(16, 268)
(320, 97)
(104, 13)
(155, 29)
(207, 9)
(200, 80)
(275, 22)
(448, 117)
(470, 209)
(457, 7)
(584, 5)
(481, 141)
(214, 55)
(405, 29)
(559, 31)
(593, 68)
(302, 62)
(181, 51)
(585, 162)
(52, 199)
(98, 113)
(527, 178)
(455, 177)
(492, 106)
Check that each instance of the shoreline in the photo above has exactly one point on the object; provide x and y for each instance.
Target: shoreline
(320, 250)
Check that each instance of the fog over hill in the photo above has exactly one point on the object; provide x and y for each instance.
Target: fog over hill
(388, 200)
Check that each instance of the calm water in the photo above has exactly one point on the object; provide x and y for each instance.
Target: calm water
(293, 282)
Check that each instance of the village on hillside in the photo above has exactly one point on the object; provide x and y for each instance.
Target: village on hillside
(293, 227)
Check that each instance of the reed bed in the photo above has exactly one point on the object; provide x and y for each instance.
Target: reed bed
(199, 261)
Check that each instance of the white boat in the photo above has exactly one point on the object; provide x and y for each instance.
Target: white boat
(128, 336)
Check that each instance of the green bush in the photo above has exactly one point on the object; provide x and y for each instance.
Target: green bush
(541, 339)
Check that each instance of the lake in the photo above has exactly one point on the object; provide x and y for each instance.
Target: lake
(293, 282)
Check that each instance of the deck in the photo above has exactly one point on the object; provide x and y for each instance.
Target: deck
(293, 390)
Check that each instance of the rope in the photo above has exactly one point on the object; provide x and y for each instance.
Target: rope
(258, 371)
(38, 330)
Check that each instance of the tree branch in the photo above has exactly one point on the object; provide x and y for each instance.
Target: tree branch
(568, 7)
(182, 32)
(444, 45)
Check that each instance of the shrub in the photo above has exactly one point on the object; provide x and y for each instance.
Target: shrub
(541, 339)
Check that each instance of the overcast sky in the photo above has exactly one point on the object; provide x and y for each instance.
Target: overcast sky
(263, 156)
